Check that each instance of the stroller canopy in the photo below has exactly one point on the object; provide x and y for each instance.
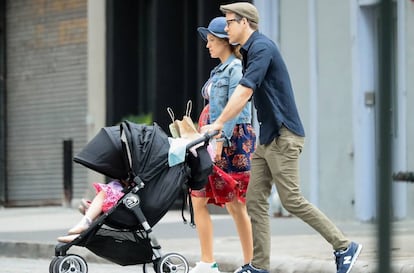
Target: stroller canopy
(131, 150)
(106, 154)
(103, 154)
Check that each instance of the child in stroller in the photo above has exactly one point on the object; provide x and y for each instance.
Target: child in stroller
(107, 195)
(137, 155)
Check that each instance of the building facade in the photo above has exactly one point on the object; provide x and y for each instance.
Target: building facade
(332, 50)
(69, 68)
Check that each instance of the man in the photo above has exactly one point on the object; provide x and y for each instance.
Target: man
(266, 79)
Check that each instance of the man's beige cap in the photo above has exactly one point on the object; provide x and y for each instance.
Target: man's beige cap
(243, 9)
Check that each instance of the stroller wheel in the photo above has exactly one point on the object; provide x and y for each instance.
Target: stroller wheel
(146, 270)
(70, 263)
(52, 264)
(172, 263)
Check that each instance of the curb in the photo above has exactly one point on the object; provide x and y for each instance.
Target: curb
(37, 250)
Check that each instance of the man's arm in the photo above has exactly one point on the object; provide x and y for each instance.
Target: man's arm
(237, 101)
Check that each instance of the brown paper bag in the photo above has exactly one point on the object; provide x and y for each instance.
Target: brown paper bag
(173, 125)
(186, 126)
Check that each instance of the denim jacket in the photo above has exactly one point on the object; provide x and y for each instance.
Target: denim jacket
(224, 78)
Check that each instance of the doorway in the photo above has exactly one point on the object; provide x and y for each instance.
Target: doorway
(366, 90)
(366, 72)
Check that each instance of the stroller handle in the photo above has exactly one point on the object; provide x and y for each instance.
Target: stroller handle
(205, 138)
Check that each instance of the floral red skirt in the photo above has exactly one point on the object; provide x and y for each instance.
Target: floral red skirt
(231, 173)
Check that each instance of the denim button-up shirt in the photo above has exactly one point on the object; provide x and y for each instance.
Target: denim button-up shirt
(224, 78)
(265, 72)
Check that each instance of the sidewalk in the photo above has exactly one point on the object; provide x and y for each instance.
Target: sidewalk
(32, 232)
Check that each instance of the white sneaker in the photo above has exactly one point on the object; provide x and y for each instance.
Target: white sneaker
(202, 267)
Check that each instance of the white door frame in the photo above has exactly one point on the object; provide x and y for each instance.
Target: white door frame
(365, 79)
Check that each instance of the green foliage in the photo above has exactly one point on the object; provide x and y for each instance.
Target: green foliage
(140, 119)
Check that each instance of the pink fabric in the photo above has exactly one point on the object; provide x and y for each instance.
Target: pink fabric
(113, 192)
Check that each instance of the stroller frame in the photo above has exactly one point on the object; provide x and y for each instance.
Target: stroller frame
(171, 262)
(168, 263)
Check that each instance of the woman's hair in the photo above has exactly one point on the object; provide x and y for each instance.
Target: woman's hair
(235, 49)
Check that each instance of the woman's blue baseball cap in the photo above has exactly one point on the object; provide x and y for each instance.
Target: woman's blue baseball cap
(216, 27)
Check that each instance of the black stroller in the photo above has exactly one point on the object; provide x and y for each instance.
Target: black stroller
(123, 235)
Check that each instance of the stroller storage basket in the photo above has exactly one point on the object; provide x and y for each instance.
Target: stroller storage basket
(121, 247)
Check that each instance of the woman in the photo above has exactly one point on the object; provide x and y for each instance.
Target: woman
(228, 182)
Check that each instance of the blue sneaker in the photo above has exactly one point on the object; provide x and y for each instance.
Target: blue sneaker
(248, 268)
(345, 259)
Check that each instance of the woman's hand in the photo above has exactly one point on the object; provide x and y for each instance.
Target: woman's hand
(219, 150)
(211, 128)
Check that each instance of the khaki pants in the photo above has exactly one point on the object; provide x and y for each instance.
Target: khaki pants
(278, 163)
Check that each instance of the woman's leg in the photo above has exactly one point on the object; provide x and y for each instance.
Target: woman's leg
(244, 229)
(204, 228)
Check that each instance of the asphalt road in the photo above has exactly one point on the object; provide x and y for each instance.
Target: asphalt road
(19, 265)
(296, 247)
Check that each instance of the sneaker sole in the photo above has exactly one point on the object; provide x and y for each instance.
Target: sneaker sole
(355, 258)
